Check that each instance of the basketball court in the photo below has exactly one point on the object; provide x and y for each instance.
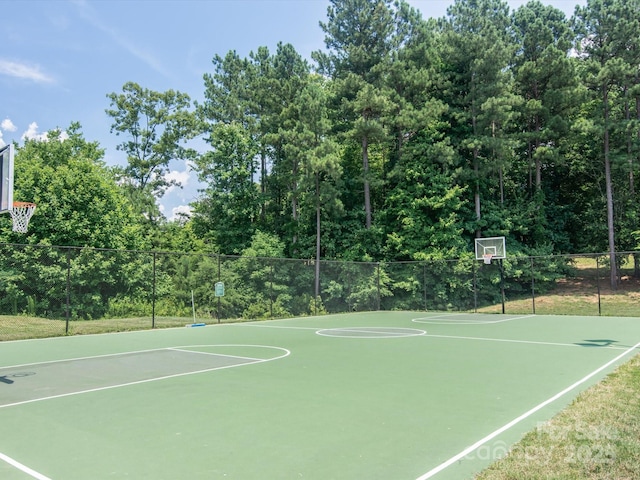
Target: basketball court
(380, 395)
(376, 395)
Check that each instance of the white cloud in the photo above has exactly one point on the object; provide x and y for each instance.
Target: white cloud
(2, 144)
(8, 126)
(33, 134)
(22, 70)
(179, 211)
(182, 178)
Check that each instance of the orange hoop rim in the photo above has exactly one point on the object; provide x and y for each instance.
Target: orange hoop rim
(23, 204)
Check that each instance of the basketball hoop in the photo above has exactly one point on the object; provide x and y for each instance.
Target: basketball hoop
(487, 258)
(21, 214)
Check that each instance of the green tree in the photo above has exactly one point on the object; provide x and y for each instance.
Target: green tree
(226, 212)
(237, 91)
(415, 79)
(479, 92)
(546, 79)
(157, 127)
(233, 202)
(286, 141)
(604, 27)
(266, 286)
(360, 36)
(78, 200)
(422, 200)
(423, 207)
(320, 164)
(79, 205)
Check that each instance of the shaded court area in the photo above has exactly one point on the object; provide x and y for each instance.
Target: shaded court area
(48, 380)
(402, 395)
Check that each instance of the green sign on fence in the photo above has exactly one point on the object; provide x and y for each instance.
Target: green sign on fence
(219, 289)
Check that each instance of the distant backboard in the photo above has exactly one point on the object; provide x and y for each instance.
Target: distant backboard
(6, 182)
(494, 246)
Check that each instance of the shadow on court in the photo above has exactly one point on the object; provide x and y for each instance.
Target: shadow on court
(598, 343)
(82, 375)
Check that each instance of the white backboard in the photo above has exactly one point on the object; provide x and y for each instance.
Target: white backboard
(6, 182)
(494, 246)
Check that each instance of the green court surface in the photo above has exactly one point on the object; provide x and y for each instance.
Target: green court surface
(382, 395)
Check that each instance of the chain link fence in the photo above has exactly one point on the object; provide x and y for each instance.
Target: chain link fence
(50, 291)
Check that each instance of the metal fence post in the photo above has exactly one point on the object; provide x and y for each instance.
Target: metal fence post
(271, 288)
(475, 287)
(219, 280)
(502, 283)
(378, 283)
(533, 288)
(598, 284)
(67, 312)
(153, 294)
(424, 284)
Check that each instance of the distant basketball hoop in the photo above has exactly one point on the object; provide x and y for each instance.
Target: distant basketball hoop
(489, 249)
(21, 214)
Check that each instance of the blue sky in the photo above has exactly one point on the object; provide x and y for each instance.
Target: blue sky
(60, 58)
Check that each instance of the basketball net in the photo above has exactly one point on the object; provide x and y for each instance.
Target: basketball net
(21, 214)
(487, 258)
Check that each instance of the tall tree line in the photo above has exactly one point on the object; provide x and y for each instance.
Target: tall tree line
(427, 133)
(405, 137)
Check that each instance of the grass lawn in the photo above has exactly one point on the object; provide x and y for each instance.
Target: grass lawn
(562, 301)
(23, 327)
(586, 293)
(596, 437)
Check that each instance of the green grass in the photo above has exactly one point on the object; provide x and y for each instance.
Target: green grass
(22, 327)
(578, 295)
(596, 437)
(25, 327)
(559, 302)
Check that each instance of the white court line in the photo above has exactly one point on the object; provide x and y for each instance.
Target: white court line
(363, 329)
(506, 340)
(463, 321)
(379, 332)
(272, 326)
(183, 350)
(517, 420)
(355, 329)
(23, 468)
